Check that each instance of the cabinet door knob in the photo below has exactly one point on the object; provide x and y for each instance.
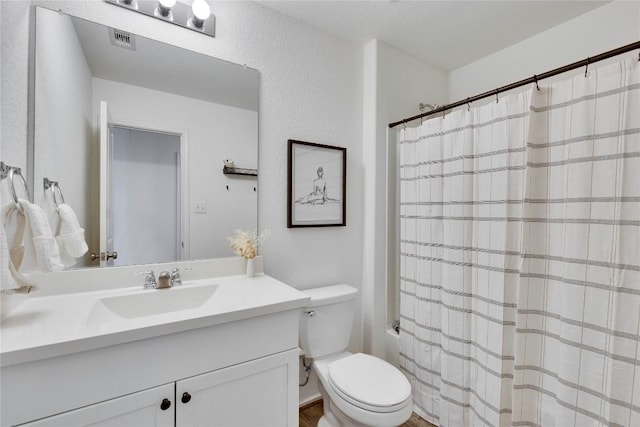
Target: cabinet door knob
(166, 404)
(186, 397)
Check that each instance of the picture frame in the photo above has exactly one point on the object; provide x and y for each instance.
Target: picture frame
(316, 185)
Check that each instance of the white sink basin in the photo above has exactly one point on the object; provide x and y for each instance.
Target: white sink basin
(158, 301)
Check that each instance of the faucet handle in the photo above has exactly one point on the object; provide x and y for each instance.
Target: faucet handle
(176, 279)
(149, 279)
(164, 280)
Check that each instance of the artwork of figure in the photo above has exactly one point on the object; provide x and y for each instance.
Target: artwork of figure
(319, 194)
(316, 185)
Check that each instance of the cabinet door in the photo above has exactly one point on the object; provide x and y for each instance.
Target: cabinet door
(262, 392)
(140, 409)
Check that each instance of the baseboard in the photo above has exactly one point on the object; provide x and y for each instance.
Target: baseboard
(310, 402)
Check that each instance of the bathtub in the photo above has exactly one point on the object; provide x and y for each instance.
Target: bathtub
(392, 346)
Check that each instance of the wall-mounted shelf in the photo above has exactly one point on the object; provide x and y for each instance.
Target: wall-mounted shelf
(239, 171)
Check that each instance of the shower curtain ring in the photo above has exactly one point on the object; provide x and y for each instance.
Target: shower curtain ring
(497, 92)
(535, 79)
(468, 105)
(586, 68)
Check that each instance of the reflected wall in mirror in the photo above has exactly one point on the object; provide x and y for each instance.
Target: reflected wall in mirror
(135, 132)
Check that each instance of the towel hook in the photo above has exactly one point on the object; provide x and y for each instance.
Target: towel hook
(4, 170)
(47, 183)
(53, 185)
(12, 187)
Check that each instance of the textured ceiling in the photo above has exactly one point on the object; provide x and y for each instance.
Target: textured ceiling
(447, 34)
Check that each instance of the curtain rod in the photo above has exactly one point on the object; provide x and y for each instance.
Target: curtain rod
(534, 79)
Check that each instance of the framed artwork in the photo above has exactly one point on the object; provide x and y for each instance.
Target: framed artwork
(317, 185)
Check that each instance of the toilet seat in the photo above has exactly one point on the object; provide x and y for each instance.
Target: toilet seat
(369, 383)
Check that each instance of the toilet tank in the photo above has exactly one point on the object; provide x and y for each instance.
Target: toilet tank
(326, 323)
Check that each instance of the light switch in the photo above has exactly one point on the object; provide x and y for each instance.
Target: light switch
(201, 207)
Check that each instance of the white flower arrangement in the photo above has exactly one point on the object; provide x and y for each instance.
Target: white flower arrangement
(245, 243)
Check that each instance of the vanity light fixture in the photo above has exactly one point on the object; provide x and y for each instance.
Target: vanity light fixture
(196, 16)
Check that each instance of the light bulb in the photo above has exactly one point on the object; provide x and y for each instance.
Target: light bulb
(167, 3)
(164, 7)
(201, 12)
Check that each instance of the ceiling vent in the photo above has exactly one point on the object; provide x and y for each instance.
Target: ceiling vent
(122, 39)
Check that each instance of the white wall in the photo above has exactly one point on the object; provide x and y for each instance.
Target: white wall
(14, 73)
(610, 26)
(214, 132)
(310, 90)
(62, 117)
(395, 84)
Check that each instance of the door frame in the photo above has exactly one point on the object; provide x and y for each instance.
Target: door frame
(183, 134)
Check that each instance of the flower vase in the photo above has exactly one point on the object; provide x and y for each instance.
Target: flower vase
(251, 267)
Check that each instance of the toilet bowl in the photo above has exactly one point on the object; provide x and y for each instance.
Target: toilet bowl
(357, 389)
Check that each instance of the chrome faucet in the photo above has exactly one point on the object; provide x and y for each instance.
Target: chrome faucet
(176, 280)
(150, 280)
(165, 279)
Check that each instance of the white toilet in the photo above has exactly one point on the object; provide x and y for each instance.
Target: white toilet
(357, 389)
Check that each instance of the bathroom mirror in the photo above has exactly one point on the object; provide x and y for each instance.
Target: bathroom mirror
(135, 132)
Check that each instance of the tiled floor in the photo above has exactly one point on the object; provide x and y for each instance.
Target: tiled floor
(310, 414)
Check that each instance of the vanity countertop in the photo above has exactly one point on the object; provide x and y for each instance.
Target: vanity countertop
(56, 325)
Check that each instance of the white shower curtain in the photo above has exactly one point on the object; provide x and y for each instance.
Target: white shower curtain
(577, 360)
(520, 257)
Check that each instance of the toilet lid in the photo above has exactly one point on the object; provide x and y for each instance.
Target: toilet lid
(370, 381)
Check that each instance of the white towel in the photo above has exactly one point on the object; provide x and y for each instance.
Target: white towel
(41, 253)
(6, 278)
(12, 251)
(70, 236)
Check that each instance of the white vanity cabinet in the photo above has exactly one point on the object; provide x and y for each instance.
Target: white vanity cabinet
(258, 393)
(241, 372)
(261, 392)
(154, 407)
